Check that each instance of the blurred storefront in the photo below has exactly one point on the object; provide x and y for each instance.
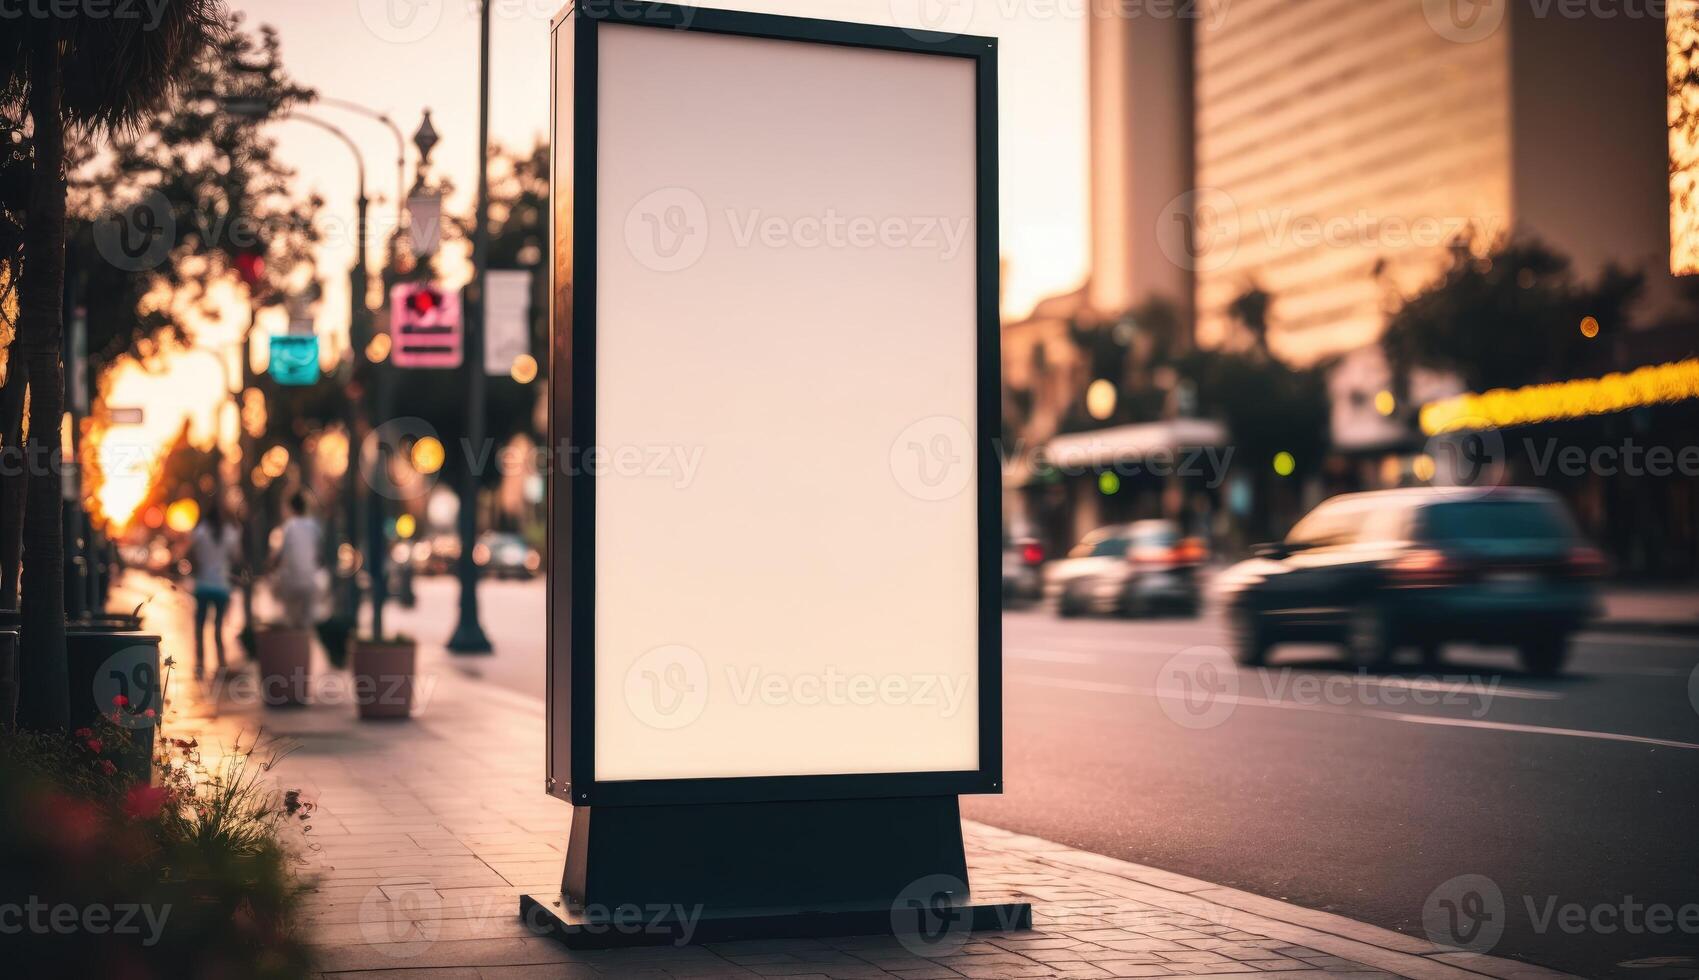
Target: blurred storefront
(1620, 445)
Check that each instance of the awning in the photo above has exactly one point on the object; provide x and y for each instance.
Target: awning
(1130, 443)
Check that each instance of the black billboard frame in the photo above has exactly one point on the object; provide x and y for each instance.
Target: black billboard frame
(572, 422)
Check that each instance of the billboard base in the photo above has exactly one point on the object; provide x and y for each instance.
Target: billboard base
(692, 873)
(935, 930)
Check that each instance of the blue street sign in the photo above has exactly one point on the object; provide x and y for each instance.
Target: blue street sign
(295, 359)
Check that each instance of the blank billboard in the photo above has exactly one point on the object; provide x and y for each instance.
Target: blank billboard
(787, 576)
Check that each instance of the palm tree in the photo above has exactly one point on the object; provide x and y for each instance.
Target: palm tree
(1250, 311)
(91, 74)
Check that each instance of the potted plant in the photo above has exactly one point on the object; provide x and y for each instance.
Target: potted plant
(384, 668)
(285, 657)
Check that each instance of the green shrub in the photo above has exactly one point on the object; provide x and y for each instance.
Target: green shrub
(188, 876)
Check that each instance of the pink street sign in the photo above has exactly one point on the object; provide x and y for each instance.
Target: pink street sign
(425, 326)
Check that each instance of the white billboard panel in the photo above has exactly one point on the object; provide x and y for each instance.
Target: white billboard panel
(773, 371)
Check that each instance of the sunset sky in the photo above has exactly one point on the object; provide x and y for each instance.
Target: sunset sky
(353, 49)
(402, 56)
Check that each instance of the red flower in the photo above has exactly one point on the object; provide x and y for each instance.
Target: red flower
(148, 713)
(120, 700)
(144, 802)
(95, 745)
(107, 767)
(84, 733)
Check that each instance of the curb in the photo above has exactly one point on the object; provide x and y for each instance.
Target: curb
(1383, 949)
(1658, 626)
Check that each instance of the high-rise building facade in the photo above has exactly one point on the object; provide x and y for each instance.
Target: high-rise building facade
(1336, 148)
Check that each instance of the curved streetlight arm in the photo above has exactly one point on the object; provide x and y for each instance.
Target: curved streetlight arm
(353, 147)
(400, 148)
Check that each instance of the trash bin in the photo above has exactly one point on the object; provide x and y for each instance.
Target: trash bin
(103, 665)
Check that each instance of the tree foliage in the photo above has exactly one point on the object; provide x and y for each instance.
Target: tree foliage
(1508, 318)
(203, 171)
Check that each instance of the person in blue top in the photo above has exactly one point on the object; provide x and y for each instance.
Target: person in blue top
(214, 549)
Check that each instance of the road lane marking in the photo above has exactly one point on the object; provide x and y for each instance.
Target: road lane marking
(1051, 656)
(1101, 687)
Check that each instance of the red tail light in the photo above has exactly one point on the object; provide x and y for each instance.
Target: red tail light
(1587, 562)
(1422, 569)
(1190, 551)
(1032, 553)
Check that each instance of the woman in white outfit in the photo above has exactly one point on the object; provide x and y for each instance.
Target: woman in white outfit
(296, 565)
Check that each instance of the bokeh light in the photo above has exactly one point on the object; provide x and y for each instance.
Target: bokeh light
(183, 515)
(428, 455)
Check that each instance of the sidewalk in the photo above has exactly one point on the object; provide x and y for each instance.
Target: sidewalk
(428, 831)
(1662, 609)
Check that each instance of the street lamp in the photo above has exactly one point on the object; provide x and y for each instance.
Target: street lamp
(357, 329)
(468, 633)
(400, 150)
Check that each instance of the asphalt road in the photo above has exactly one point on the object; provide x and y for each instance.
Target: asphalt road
(1449, 803)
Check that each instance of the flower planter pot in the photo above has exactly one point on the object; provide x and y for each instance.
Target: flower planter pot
(383, 678)
(8, 678)
(114, 671)
(285, 658)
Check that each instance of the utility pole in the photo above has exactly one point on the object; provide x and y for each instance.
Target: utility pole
(468, 632)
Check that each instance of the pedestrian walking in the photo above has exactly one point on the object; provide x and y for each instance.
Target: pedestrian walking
(296, 564)
(214, 549)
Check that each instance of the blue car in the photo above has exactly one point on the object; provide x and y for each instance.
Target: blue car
(1418, 568)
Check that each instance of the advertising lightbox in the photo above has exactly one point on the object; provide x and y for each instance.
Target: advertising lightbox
(774, 519)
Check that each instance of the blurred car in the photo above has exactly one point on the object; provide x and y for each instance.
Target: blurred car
(1023, 561)
(504, 555)
(1419, 568)
(1132, 569)
(439, 556)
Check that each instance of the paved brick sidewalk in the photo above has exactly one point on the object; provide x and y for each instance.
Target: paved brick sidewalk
(429, 830)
